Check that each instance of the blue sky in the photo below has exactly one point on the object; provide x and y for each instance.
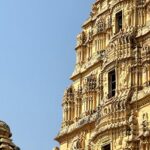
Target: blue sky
(37, 57)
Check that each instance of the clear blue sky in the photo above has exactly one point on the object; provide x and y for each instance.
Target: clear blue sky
(37, 57)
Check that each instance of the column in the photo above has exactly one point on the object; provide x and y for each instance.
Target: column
(65, 118)
(148, 73)
(77, 57)
(98, 98)
(102, 41)
(95, 100)
(67, 114)
(89, 103)
(71, 108)
(83, 106)
(63, 115)
(78, 109)
(147, 146)
(98, 44)
(89, 52)
(95, 45)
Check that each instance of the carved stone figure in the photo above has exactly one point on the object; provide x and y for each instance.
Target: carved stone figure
(145, 130)
(76, 145)
(128, 17)
(133, 123)
(79, 142)
(94, 10)
(100, 24)
(90, 35)
(81, 38)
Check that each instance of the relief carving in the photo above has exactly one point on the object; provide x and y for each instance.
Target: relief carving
(133, 125)
(123, 76)
(128, 16)
(81, 38)
(90, 83)
(109, 22)
(79, 142)
(144, 127)
(100, 25)
(94, 10)
(119, 143)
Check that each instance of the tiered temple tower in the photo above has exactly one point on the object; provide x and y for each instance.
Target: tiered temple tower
(107, 107)
(5, 138)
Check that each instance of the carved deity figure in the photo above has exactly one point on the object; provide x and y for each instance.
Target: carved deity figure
(128, 17)
(79, 142)
(133, 123)
(94, 10)
(123, 76)
(145, 131)
(76, 145)
(81, 38)
(90, 34)
(79, 91)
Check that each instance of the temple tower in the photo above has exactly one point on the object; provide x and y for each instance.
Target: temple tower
(107, 106)
(5, 138)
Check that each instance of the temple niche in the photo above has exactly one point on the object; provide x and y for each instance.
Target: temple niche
(106, 107)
